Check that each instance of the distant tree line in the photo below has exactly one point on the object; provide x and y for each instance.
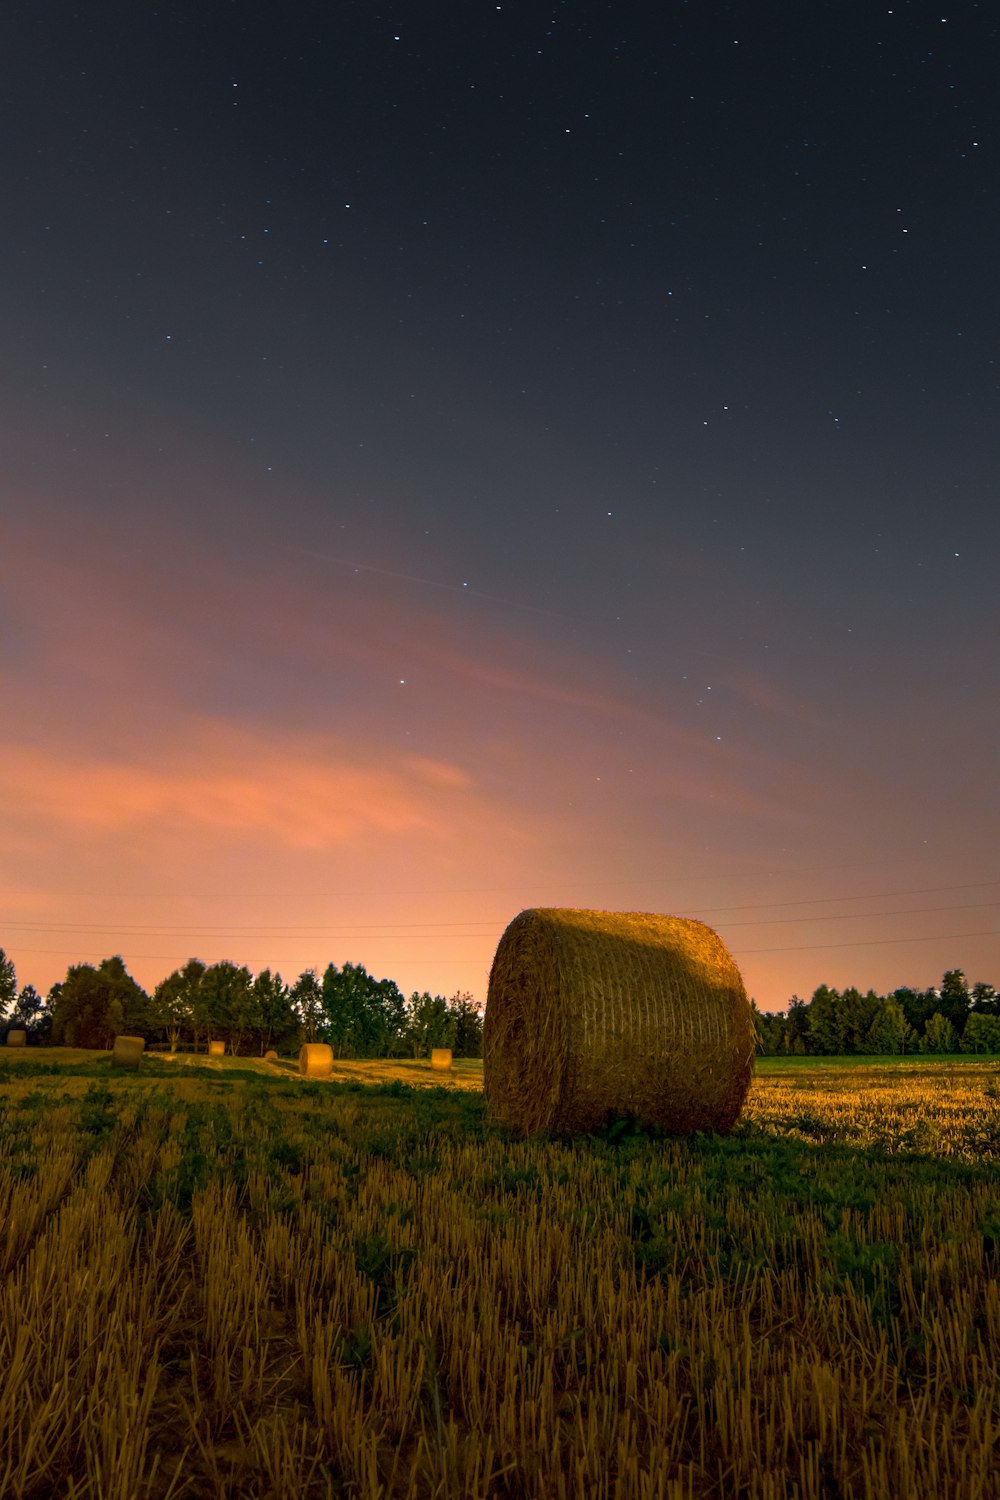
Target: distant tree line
(950, 1018)
(360, 1016)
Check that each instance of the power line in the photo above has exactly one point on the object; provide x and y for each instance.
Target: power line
(167, 958)
(929, 937)
(153, 930)
(931, 890)
(860, 916)
(416, 929)
(518, 891)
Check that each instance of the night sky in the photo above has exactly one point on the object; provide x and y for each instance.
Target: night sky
(459, 457)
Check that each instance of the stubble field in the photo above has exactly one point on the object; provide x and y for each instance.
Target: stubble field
(221, 1281)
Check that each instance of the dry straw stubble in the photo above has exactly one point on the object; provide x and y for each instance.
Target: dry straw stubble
(572, 1364)
(590, 1013)
(316, 1060)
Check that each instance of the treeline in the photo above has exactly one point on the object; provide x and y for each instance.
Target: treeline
(951, 1018)
(360, 1016)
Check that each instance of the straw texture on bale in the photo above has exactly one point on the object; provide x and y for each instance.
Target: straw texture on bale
(590, 1013)
(17, 1039)
(441, 1057)
(216, 1049)
(316, 1060)
(127, 1051)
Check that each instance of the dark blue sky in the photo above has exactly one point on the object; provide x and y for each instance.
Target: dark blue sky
(557, 446)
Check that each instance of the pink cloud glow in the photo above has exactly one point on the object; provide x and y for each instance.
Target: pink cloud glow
(234, 757)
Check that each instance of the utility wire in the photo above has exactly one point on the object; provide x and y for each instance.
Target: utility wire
(519, 892)
(928, 937)
(271, 961)
(431, 929)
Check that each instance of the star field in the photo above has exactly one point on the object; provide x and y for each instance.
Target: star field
(463, 458)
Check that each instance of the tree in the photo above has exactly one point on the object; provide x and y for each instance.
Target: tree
(918, 1005)
(362, 1016)
(982, 1033)
(467, 1025)
(797, 1026)
(27, 1007)
(827, 1024)
(985, 1000)
(129, 996)
(278, 1022)
(175, 998)
(770, 1028)
(341, 1005)
(758, 1024)
(307, 1001)
(28, 1013)
(889, 1030)
(859, 1012)
(85, 1010)
(93, 1006)
(428, 1024)
(8, 984)
(939, 1035)
(226, 1003)
(954, 999)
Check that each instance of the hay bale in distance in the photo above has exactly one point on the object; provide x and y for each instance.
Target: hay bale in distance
(127, 1052)
(594, 1012)
(17, 1038)
(316, 1060)
(271, 1055)
(441, 1058)
(216, 1049)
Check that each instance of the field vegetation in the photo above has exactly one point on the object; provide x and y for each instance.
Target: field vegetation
(225, 1281)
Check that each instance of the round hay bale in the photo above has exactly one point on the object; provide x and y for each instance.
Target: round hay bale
(216, 1049)
(441, 1057)
(594, 1012)
(271, 1055)
(127, 1052)
(316, 1060)
(17, 1038)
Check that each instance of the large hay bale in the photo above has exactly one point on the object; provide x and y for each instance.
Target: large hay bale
(17, 1038)
(216, 1049)
(127, 1052)
(271, 1055)
(441, 1058)
(316, 1060)
(594, 1012)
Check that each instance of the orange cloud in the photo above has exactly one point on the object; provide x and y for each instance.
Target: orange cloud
(222, 780)
(126, 657)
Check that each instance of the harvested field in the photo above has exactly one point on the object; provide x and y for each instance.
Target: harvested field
(227, 1281)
